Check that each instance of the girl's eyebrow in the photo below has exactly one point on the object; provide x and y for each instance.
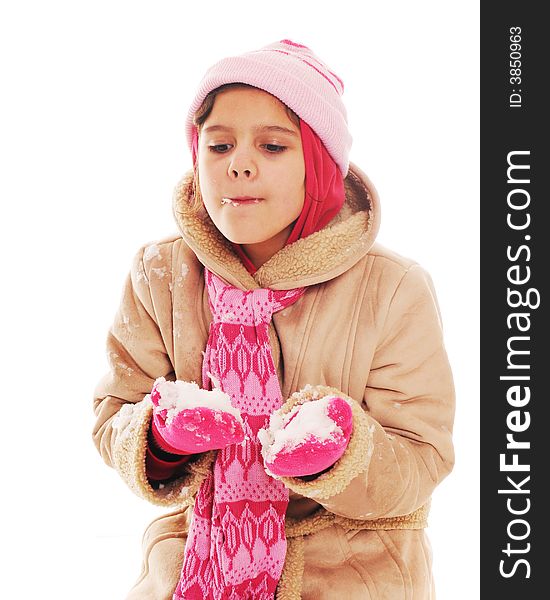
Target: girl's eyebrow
(258, 128)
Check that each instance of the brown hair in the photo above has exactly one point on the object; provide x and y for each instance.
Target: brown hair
(200, 116)
(207, 105)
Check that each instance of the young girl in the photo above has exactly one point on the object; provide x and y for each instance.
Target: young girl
(302, 464)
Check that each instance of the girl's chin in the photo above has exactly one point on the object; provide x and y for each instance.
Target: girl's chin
(242, 235)
(251, 236)
(250, 233)
(244, 239)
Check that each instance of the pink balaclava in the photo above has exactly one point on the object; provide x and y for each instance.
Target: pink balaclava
(295, 75)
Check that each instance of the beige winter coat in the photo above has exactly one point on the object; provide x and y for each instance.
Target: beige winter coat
(368, 325)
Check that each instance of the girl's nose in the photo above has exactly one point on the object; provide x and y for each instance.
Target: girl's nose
(242, 168)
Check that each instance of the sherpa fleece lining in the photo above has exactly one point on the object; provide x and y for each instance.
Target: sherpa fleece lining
(129, 458)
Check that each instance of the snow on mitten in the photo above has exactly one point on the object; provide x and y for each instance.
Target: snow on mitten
(191, 420)
(308, 439)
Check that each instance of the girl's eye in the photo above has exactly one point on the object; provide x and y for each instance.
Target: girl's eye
(218, 148)
(274, 148)
(223, 148)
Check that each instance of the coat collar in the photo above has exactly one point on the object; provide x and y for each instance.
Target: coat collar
(319, 257)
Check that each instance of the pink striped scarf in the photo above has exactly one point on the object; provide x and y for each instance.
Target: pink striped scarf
(236, 545)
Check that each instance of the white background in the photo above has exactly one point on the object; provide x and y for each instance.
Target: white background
(92, 143)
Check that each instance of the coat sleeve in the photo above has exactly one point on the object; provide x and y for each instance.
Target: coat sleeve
(401, 447)
(137, 355)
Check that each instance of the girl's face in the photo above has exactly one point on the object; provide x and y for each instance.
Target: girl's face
(249, 147)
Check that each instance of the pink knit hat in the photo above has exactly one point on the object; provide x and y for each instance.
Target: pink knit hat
(297, 77)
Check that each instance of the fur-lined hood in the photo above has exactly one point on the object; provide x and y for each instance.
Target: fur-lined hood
(308, 261)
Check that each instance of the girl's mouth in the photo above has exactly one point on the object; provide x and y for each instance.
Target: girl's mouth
(241, 201)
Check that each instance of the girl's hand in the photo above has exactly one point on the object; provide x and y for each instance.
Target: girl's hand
(196, 429)
(309, 439)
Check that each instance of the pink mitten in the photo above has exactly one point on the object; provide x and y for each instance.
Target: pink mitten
(191, 420)
(308, 439)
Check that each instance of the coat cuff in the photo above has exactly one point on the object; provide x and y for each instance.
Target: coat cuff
(352, 463)
(131, 426)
